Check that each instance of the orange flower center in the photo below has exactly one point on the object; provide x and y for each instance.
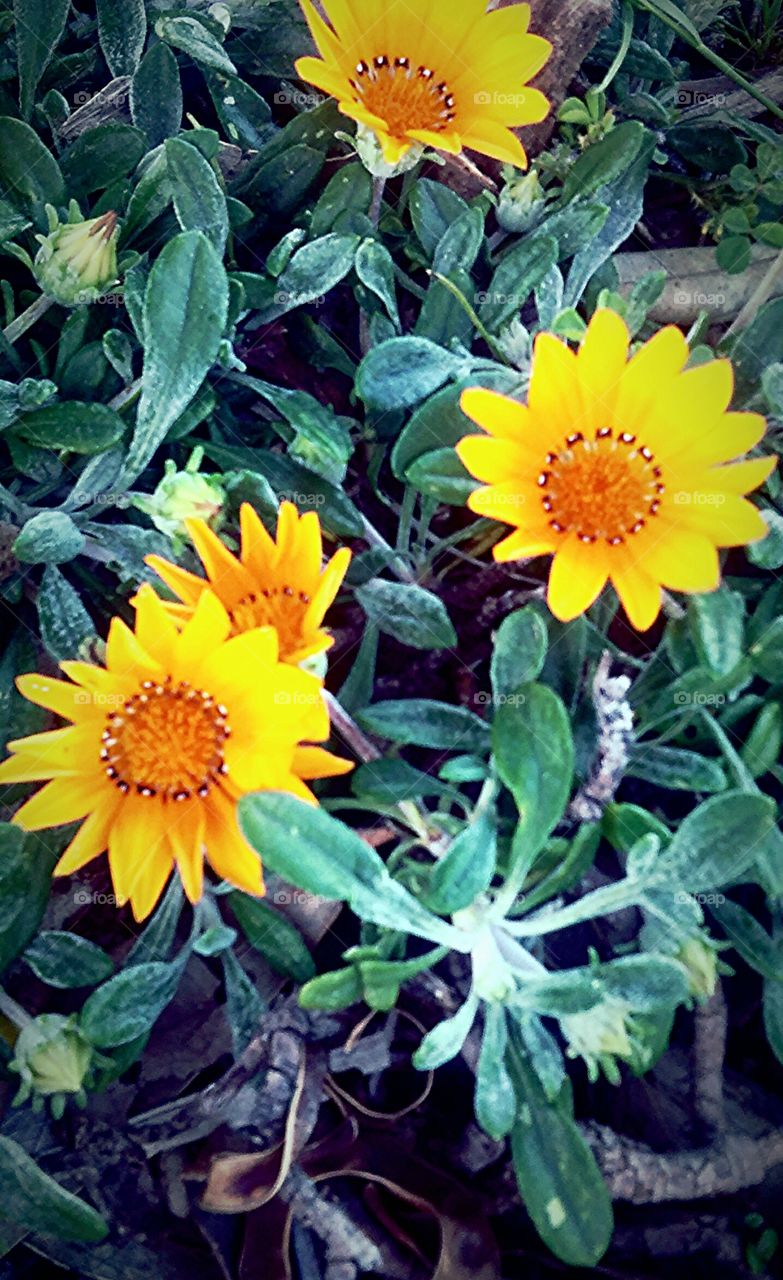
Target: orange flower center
(167, 740)
(605, 488)
(279, 607)
(403, 96)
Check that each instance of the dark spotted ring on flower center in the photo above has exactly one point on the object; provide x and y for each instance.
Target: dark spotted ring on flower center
(405, 97)
(602, 489)
(166, 741)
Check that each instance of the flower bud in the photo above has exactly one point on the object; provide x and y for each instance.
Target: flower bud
(701, 962)
(600, 1035)
(369, 151)
(52, 1058)
(77, 261)
(521, 202)
(184, 495)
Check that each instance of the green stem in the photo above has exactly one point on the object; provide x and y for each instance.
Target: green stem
(27, 319)
(14, 1012)
(480, 328)
(601, 902)
(625, 44)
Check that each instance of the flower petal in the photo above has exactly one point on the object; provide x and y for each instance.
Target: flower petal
(578, 576)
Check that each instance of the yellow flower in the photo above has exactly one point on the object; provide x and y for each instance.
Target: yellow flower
(617, 467)
(274, 583)
(444, 73)
(163, 742)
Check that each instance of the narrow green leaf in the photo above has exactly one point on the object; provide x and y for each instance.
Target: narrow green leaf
(534, 754)
(495, 1100)
(411, 614)
(65, 960)
(199, 202)
(34, 1200)
(122, 30)
(39, 27)
(129, 1004)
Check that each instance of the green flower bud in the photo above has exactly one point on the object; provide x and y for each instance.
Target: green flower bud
(369, 151)
(184, 495)
(77, 261)
(521, 202)
(52, 1058)
(600, 1035)
(701, 961)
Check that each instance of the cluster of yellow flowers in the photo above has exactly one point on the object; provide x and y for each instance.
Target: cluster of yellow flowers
(200, 703)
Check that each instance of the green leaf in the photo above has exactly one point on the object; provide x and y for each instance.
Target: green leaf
(51, 537)
(717, 843)
(311, 849)
(332, 992)
(375, 268)
(440, 475)
(244, 1005)
(439, 422)
(39, 28)
(185, 313)
(79, 427)
(156, 95)
(129, 1004)
(676, 769)
(101, 156)
(767, 653)
(534, 755)
(313, 270)
(762, 747)
(194, 39)
(733, 254)
(461, 243)
(446, 1039)
(557, 1175)
(495, 1101)
(519, 272)
(768, 553)
(411, 614)
(424, 723)
(25, 875)
(466, 870)
(28, 170)
(274, 936)
(749, 938)
(122, 30)
(388, 782)
(715, 148)
(65, 960)
(35, 1201)
(718, 627)
(244, 114)
(64, 622)
(434, 207)
(402, 371)
(199, 202)
(518, 652)
(603, 161)
(773, 1017)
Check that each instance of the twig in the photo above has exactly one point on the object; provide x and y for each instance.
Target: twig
(759, 296)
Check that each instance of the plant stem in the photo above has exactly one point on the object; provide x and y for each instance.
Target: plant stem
(397, 566)
(27, 319)
(601, 902)
(14, 1012)
(374, 214)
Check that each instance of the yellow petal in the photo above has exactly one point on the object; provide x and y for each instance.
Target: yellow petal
(639, 594)
(227, 575)
(186, 834)
(59, 802)
(522, 545)
(681, 561)
(601, 361)
(730, 521)
(578, 576)
(259, 553)
(148, 886)
(501, 416)
(492, 460)
(187, 586)
(489, 138)
(314, 762)
(328, 586)
(227, 850)
(154, 629)
(67, 700)
(125, 655)
(554, 395)
(733, 435)
(92, 838)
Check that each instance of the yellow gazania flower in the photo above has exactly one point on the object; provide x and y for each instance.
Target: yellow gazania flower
(163, 742)
(441, 72)
(274, 583)
(616, 466)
